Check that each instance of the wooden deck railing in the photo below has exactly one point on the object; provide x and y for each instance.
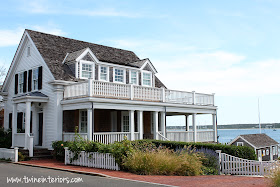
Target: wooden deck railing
(188, 136)
(94, 88)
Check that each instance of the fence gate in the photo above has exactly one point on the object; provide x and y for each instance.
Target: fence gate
(238, 166)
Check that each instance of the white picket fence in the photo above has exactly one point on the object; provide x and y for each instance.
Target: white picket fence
(92, 159)
(238, 166)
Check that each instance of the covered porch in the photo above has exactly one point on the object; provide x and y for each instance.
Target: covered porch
(110, 125)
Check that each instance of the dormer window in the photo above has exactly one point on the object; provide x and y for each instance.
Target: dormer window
(133, 77)
(86, 68)
(103, 73)
(119, 75)
(147, 79)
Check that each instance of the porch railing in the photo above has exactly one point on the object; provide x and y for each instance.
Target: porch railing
(110, 137)
(181, 136)
(205, 136)
(188, 136)
(94, 88)
(69, 136)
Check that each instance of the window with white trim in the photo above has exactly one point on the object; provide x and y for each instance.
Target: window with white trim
(35, 77)
(146, 79)
(86, 70)
(125, 122)
(118, 75)
(83, 121)
(103, 73)
(239, 143)
(20, 82)
(133, 77)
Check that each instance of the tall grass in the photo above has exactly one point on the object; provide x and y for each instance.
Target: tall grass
(163, 162)
(275, 176)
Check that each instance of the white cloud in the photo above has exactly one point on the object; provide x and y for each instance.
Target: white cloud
(10, 37)
(225, 74)
(49, 28)
(45, 7)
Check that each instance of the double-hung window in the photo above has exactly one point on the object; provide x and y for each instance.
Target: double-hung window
(86, 69)
(83, 121)
(20, 82)
(35, 77)
(146, 79)
(133, 77)
(119, 75)
(103, 73)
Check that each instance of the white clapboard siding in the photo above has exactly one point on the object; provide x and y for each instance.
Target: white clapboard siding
(92, 159)
(25, 63)
(238, 166)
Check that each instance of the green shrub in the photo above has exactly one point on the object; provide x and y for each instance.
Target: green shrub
(5, 138)
(163, 162)
(21, 157)
(59, 152)
(238, 151)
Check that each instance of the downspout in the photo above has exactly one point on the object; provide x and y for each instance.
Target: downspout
(92, 117)
(165, 121)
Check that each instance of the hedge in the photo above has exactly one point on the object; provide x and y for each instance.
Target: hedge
(5, 138)
(238, 151)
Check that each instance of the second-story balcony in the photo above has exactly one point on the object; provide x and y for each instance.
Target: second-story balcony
(92, 88)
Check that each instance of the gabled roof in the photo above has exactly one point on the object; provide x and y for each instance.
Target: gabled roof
(257, 140)
(54, 48)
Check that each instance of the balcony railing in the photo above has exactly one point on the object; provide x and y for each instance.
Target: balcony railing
(94, 88)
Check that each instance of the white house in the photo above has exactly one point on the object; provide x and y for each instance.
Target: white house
(56, 83)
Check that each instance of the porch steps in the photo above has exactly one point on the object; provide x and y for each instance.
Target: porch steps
(38, 154)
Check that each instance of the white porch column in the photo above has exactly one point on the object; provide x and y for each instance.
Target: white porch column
(162, 125)
(187, 122)
(155, 118)
(214, 127)
(27, 123)
(194, 127)
(140, 124)
(131, 124)
(271, 153)
(89, 124)
(14, 123)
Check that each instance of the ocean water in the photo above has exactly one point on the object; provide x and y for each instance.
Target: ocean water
(226, 135)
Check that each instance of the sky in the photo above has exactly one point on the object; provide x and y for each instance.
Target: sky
(230, 48)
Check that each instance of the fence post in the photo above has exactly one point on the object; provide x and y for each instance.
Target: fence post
(219, 152)
(66, 155)
(213, 94)
(193, 98)
(16, 154)
(31, 146)
(131, 92)
(163, 94)
(90, 91)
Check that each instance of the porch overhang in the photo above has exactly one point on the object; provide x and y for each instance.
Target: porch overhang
(31, 97)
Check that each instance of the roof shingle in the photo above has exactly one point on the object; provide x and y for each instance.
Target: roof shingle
(259, 140)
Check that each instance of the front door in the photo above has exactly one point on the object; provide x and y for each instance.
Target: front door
(40, 129)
